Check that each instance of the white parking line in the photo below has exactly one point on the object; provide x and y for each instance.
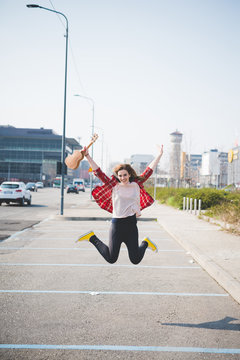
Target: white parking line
(105, 265)
(77, 230)
(39, 238)
(96, 292)
(73, 248)
(174, 349)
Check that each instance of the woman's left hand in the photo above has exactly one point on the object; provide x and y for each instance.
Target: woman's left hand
(160, 149)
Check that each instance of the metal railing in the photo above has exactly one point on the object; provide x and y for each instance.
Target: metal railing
(192, 205)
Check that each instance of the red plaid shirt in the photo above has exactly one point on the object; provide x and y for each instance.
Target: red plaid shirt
(103, 194)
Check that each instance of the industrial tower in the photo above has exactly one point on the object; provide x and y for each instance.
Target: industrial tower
(175, 158)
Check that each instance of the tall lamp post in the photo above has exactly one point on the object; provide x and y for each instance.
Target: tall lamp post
(99, 128)
(92, 101)
(65, 98)
(155, 182)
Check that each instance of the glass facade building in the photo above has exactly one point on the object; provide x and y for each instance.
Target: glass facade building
(31, 154)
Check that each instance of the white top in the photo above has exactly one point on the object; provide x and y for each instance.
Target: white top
(126, 200)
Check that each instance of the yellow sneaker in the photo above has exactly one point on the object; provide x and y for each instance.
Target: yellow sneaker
(151, 244)
(86, 236)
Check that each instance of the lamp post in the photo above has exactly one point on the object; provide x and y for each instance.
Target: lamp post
(99, 128)
(92, 101)
(155, 183)
(65, 98)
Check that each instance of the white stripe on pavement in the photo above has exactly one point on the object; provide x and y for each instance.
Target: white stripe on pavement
(95, 292)
(79, 230)
(104, 265)
(123, 348)
(74, 248)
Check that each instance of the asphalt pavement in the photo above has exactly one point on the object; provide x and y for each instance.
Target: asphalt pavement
(215, 249)
(61, 300)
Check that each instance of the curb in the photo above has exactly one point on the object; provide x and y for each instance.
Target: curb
(226, 281)
(91, 218)
(224, 225)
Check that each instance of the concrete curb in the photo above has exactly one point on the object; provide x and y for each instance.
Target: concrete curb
(91, 218)
(224, 279)
(222, 224)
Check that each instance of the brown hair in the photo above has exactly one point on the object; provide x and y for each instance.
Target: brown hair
(129, 169)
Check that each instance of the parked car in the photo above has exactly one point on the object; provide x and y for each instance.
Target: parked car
(31, 186)
(72, 189)
(14, 192)
(80, 184)
(39, 185)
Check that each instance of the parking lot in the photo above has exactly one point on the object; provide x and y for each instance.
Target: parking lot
(61, 300)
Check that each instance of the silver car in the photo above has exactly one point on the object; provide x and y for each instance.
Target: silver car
(14, 192)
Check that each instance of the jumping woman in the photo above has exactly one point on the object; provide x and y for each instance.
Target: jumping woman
(124, 196)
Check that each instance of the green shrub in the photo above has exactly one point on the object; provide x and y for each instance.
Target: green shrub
(220, 204)
(209, 197)
(228, 212)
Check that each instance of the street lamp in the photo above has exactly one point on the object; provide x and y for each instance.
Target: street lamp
(92, 101)
(65, 98)
(155, 183)
(99, 128)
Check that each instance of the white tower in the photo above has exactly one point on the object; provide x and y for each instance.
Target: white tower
(175, 156)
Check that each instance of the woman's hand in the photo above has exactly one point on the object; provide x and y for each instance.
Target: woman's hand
(160, 149)
(154, 163)
(91, 162)
(84, 151)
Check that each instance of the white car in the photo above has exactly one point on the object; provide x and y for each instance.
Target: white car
(79, 183)
(39, 185)
(13, 191)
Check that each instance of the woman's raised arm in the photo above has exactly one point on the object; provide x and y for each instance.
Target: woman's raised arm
(154, 163)
(92, 163)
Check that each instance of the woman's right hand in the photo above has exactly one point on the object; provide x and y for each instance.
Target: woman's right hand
(84, 151)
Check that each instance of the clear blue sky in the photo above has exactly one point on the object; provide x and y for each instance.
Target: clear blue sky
(151, 66)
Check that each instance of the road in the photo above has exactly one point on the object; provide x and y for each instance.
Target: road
(45, 202)
(61, 300)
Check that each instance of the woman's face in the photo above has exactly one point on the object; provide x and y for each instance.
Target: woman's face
(123, 176)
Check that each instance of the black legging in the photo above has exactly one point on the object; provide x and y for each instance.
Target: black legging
(123, 230)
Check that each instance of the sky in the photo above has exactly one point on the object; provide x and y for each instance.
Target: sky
(150, 66)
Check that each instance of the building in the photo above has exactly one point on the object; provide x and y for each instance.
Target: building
(223, 176)
(234, 166)
(175, 158)
(214, 169)
(140, 161)
(195, 164)
(31, 154)
(190, 169)
(184, 166)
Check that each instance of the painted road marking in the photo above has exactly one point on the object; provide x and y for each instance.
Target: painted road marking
(111, 293)
(42, 238)
(105, 265)
(74, 248)
(122, 348)
(30, 248)
(107, 231)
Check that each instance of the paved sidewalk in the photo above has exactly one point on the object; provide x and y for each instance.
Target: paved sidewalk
(217, 251)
